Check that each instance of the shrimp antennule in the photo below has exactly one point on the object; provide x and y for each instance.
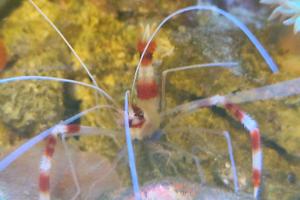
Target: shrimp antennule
(65, 40)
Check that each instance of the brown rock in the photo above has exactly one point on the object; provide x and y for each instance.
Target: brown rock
(3, 55)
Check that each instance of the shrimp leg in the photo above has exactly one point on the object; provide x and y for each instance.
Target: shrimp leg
(183, 68)
(274, 91)
(72, 168)
(88, 130)
(227, 137)
(45, 166)
(249, 124)
(185, 153)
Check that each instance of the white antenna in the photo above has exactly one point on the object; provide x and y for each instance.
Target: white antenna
(230, 17)
(63, 80)
(66, 41)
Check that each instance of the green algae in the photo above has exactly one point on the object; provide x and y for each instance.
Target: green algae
(106, 41)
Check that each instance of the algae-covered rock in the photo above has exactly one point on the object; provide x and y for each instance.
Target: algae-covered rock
(3, 55)
(27, 106)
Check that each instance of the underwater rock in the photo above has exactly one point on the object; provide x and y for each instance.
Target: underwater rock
(7, 7)
(228, 4)
(32, 105)
(6, 137)
(3, 55)
(129, 9)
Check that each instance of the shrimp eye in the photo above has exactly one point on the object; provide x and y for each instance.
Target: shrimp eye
(140, 115)
(138, 112)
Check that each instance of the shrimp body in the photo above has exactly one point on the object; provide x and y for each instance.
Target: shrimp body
(144, 115)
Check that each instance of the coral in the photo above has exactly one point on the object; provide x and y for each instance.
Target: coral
(288, 10)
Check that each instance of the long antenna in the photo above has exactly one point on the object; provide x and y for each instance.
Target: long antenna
(268, 59)
(63, 80)
(131, 157)
(66, 41)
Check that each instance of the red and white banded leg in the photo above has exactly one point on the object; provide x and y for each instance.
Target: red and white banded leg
(245, 119)
(253, 129)
(46, 160)
(45, 166)
(251, 126)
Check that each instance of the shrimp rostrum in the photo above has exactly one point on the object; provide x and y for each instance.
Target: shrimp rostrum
(146, 119)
